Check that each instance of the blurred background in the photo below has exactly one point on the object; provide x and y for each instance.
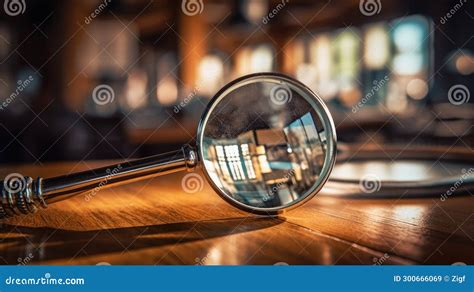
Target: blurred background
(109, 79)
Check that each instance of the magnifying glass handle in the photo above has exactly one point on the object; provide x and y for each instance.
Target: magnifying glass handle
(23, 195)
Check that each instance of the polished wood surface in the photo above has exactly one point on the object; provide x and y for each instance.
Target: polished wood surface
(156, 222)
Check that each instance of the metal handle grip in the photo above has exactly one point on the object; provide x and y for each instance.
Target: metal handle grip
(25, 195)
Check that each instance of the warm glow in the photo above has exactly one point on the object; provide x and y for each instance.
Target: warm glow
(242, 63)
(253, 60)
(210, 75)
(261, 59)
(307, 74)
(407, 213)
(298, 52)
(255, 10)
(350, 95)
(417, 88)
(262, 160)
(136, 95)
(376, 48)
(396, 99)
(167, 91)
(320, 51)
(321, 57)
(401, 212)
(213, 257)
(465, 64)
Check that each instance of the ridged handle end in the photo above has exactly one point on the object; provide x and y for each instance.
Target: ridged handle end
(20, 195)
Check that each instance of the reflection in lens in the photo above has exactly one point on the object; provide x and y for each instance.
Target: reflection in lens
(263, 143)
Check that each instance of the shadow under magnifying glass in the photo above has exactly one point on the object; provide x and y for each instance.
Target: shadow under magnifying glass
(43, 243)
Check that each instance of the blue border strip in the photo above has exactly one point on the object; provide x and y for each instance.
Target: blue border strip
(237, 278)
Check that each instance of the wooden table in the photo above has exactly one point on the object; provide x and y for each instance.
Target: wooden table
(156, 222)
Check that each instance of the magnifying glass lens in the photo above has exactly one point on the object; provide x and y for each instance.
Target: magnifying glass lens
(267, 143)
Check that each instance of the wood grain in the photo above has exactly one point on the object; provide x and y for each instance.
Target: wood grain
(156, 222)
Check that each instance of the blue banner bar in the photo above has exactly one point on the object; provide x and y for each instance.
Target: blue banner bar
(238, 278)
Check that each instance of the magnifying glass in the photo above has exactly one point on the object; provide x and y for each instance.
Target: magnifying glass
(266, 143)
